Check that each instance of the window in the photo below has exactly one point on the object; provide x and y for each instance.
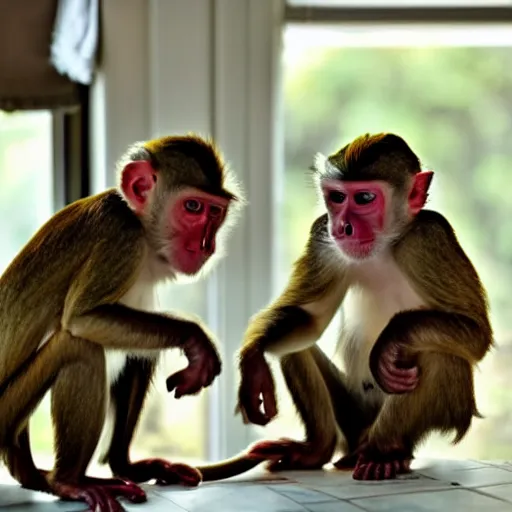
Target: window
(170, 428)
(26, 202)
(446, 90)
(26, 174)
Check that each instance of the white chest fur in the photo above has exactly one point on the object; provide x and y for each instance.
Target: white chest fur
(379, 290)
(143, 296)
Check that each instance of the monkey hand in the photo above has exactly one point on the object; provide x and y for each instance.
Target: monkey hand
(256, 380)
(203, 364)
(393, 370)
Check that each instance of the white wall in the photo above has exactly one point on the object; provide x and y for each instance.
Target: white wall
(170, 66)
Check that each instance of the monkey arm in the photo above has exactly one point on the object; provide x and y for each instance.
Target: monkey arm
(435, 263)
(410, 334)
(294, 322)
(92, 310)
(297, 319)
(455, 320)
(117, 326)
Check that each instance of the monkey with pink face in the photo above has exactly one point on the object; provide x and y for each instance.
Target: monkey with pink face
(415, 325)
(77, 317)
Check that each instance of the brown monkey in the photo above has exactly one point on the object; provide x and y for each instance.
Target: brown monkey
(415, 323)
(76, 317)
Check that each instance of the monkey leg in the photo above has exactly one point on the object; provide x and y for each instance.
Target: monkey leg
(352, 417)
(443, 400)
(309, 379)
(19, 461)
(78, 401)
(77, 370)
(129, 393)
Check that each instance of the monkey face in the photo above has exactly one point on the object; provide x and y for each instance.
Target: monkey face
(181, 227)
(357, 214)
(195, 218)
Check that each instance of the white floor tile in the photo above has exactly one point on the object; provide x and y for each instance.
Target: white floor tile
(455, 500)
(301, 494)
(363, 489)
(236, 498)
(503, 491)
(474, 477)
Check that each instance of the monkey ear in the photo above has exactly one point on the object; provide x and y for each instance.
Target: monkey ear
(137, 180)
(419, 191)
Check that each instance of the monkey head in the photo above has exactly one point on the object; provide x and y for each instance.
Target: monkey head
(371, 188)
(176, 186)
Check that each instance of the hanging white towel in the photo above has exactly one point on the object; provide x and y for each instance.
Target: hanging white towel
(75, 39)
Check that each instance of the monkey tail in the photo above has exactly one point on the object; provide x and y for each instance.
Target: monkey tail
(463, 428)
(229, 467)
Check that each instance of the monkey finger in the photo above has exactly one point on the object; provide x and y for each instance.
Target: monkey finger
(393, 383)
(184, 388)
(403, 381)
(99, 500)
(256, 417)
(173, 381)
(361, 471)
(379, 471)
(251, 403)
(400, 372)
(269, 403)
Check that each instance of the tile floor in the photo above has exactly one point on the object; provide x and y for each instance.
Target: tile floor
(435, 486)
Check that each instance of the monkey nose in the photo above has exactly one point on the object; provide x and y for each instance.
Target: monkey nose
(349, 230)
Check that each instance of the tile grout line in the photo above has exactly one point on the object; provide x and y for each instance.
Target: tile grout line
(483, 493)
(418, 491)
(303, 505)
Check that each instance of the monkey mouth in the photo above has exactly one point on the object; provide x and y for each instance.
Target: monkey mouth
(357, 248)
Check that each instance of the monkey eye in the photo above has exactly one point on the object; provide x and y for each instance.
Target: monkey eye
(364, 197)
(215, 211)
(335, 196)
(193, 206)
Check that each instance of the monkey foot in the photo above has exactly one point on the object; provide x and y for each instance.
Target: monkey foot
(375, 465)
(100, 496)
(165, 473)
(286, 454)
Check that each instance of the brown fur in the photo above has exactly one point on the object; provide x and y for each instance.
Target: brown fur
(67, 280)
(371, 157)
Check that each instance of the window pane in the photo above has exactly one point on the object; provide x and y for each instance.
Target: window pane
(452, 103)
(26, 202)
(26, 174)
(170, 428)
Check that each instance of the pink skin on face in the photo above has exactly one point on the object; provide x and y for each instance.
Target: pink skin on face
(195, 218)
(357, 212)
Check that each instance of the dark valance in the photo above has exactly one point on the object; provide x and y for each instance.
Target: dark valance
(28, 77)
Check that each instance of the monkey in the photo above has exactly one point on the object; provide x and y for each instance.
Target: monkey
(78, 316)
(415, 323)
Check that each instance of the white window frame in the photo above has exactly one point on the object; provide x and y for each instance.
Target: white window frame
(170, 66)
